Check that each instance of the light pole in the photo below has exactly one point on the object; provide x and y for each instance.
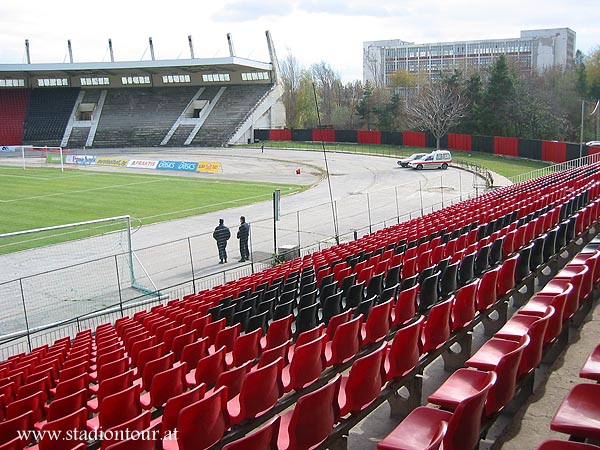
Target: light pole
(596, 112)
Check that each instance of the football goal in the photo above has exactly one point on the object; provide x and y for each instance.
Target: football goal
(68, 271)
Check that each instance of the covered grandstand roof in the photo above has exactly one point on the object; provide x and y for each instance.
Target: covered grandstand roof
(117, 68)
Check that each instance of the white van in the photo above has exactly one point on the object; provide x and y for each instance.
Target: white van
(438, 159)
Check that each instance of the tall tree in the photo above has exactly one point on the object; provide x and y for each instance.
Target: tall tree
(291, 73)
(365, 105)
(494, 111)
(438, 107)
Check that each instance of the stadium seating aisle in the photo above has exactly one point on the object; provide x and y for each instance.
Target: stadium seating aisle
(394, 293)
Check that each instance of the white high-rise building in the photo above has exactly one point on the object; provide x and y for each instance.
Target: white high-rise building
(533, 50)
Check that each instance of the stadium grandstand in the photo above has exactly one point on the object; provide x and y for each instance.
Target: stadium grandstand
(186, 102)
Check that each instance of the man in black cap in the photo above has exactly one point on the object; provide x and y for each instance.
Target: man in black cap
(221, 235)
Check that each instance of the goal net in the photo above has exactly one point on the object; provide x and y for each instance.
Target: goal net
(55, 274)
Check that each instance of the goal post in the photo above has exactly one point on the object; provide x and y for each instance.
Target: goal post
(53, 274)
(44, 153)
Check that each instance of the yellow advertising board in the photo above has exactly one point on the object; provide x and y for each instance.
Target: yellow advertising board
(212, 167)
(115, 162)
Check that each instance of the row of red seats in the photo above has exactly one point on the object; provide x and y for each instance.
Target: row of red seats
(494, 372)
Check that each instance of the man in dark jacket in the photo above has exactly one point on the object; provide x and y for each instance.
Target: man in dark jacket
(221, 235)
(243, 234)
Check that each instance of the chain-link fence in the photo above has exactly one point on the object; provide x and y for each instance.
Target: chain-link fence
(119, 285)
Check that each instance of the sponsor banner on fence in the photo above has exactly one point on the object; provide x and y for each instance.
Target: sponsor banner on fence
(8, 148)
(186, 166)
(53, 158)
(212, 167)
(142, 164)
(85, 160)
(115, 162)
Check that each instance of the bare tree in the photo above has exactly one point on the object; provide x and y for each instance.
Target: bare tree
(438, 107)
(292, 73)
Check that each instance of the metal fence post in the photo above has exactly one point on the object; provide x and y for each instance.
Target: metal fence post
(25, 313)
(369, 211)
(421, 196)
(192, 265)
(397, 207)
(298, 227)
(119, 286)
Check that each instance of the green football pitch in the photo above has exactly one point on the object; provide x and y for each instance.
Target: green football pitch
(45, 197)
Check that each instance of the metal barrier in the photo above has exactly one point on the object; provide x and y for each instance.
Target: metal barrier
(34, 316)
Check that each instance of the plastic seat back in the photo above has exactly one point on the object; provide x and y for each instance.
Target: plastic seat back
(506, 369)
(180, 341)
(175, 404)
(233, 379)
(312, 419)
(464, 426)
(306, 365)
(33, 403)
(377, 325)
(155, 366)
(137, 423)
(278, 332)
(506, 276)
(149, 354)
(72, 385)
(120, 407)
(436, 330)
(66, 405)
(261, 388)
(209, 367)
(227, 336)
(263, 438)
(404, 350)
(212, 328)
(74, 421)
(428, 292)
(9, 428)
(203, 423)
(363, 384)
(345, 343)
(307, 318)
(486, 292)
(166, 384)
(192, 353)
(405, 308)
(463, 308)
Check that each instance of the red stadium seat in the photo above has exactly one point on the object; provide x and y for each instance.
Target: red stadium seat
(312, 419)
(579, 413)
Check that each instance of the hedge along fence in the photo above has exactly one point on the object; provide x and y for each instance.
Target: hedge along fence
(550, 151)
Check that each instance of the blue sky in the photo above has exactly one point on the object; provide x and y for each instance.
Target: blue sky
(312, 31)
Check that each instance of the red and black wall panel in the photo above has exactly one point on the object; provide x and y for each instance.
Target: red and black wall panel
(507, 146)
(325, 135)
(414, 139)
(430, 141)
(483, 144)
(284, 134)
(554, 151)
(262, 135)
(573, 151)
(391, 137)
(346, 136)
(369, 137)
(530, 149)
(302, 135)
(459, 142)
(592, 150)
